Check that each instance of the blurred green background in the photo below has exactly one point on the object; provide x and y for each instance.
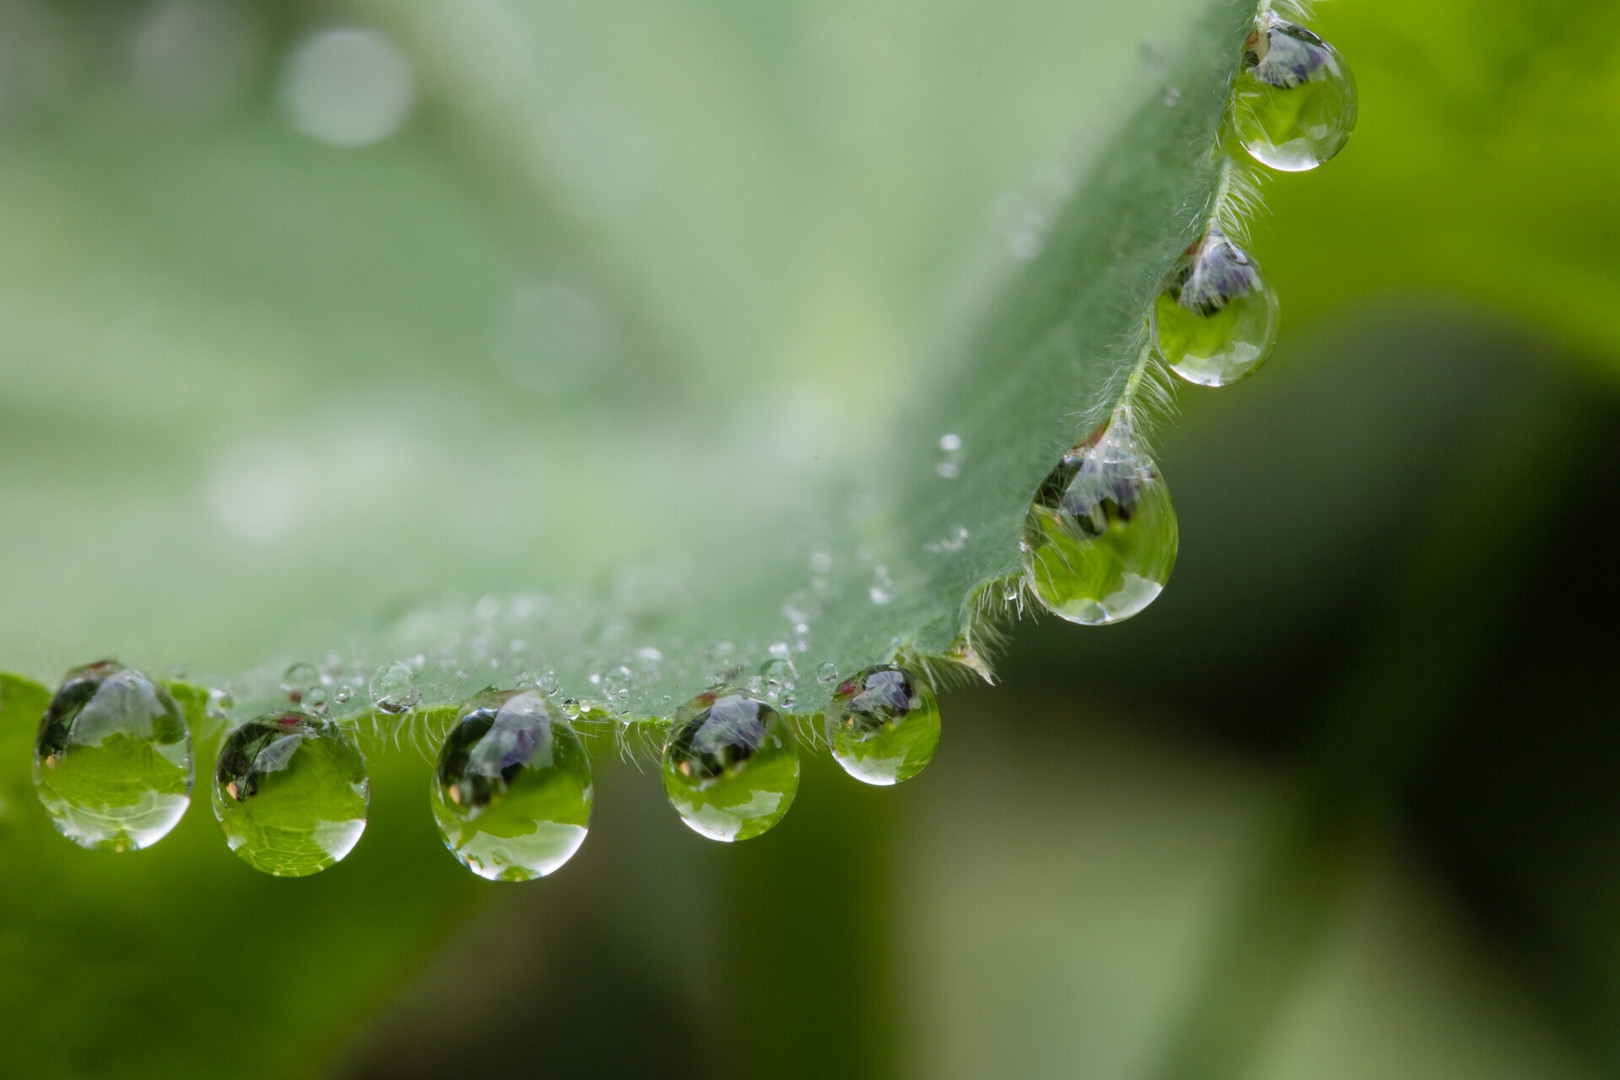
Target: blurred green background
(307, 307)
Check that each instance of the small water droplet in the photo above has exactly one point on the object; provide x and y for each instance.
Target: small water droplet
(780, 677)
(1100, 539)
(731, 767)
(315, 698)
(394, 689)
(291, 793)
(1172, 96)
(820, 562)
(950, 463)
(882, 590)
(956, 541)
(1295, 97)
(723, 662)
(827, 672)
(113, 759)
(883, 725)
(512, 788)
(1215, 318)
(220, 704)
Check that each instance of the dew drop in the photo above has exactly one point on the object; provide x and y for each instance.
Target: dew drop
(290, 793)
(827, 672)
(1215, 318)
(1295, 98)
(112, 759)
(722, 662)
(882, 589)
(512, 788)
(220, 704)
(883, 725)
(780, 676)
(1100, 539)
(731, 768)
(394, 689)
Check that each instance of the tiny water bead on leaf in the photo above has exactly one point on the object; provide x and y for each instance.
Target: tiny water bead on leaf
(1215, 318)
(883, 725)
(112, 759)
(1295, 101)
(394, 690)
(291, 793)
(731, 768)
(512, 787)
(1100, 539)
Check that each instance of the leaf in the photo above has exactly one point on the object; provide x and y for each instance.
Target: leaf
(253, 388)
(351, 463)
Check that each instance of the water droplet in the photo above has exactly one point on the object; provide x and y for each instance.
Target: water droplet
(1215, 318)
(820, 562)
(1295, 97)
(950, 462)
(290, 793)
(723, 662)
(883, 725)
(827, 672)
(1100, 539)
(1172, 96)
(220, 704)
(882, 590)
(730, 766)
(297, 680)
(780, 676)
(512, 788)
(394, 689)
(112, 759)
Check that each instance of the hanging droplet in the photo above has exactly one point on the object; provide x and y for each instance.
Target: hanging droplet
(112, 759)
(883, 725)
(290, 793)
(730, 766)
(1295, 97)
(1100, 538)
(512, 788)
(1215, 318)
(394, 689)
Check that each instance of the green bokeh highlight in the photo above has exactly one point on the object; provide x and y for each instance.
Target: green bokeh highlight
(291, 793)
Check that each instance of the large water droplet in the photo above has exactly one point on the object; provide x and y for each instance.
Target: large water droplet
(1215, 318)
(1295, 97)
(512, 788)
(1100, 539)
(290, 793)
(883, 725)
(730, 766)
(112, 760)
